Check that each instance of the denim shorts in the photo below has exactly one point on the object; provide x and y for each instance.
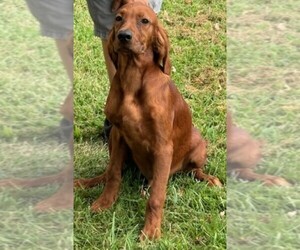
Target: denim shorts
(103, 18)
(55, 17)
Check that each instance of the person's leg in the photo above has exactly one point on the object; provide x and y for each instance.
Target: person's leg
(63, 198)
(103, 18)
(65, 50)
(56, 21)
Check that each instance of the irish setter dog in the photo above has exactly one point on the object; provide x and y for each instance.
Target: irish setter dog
(151, 121)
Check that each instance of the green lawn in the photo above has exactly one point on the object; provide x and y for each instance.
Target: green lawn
(263, 93)
(194, 213)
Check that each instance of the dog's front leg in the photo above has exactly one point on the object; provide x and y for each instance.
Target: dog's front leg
(155, 205)
(113, 173)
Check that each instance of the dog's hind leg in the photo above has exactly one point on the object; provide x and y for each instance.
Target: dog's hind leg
(212, 180)
(101, 179)
(90, 182)
(37, 182)
(197, 159)
(268, 180)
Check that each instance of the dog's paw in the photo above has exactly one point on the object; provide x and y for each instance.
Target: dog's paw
(150, 233)
(214, 181)
(79, 183)
(276, 181)
(101, 204)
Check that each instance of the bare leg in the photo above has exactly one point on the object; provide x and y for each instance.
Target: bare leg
(63, 198)
(65, 50)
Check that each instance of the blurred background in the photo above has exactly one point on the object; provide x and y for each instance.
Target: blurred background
(263, 94)
(33, 84)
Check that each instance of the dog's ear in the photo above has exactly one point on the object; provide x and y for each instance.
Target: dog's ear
(116, 4)
(110, 47)
(161, 49)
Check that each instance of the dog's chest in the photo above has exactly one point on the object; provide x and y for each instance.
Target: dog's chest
(130, 113)
(128, 116)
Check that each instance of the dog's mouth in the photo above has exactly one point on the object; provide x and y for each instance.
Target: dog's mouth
(125, 48)
(121, 47)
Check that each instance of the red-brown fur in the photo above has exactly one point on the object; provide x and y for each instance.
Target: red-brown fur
(151, 121)
(243, 155)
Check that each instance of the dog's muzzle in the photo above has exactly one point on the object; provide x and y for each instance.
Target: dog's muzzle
(124, 36)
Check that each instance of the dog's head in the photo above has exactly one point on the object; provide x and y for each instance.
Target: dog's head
(136, 31)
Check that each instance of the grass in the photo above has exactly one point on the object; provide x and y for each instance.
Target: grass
(33, 83)
(193, 212)
(263, 70)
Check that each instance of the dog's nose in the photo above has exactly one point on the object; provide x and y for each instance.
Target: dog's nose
(124, 35)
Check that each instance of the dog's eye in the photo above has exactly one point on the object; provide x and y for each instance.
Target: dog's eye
(119, 18)
(145, 21)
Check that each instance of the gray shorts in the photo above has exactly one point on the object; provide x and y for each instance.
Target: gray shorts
(103, 18)
(55, 17)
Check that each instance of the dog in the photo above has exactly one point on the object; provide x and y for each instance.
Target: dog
(150, 120)
(243, 155)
